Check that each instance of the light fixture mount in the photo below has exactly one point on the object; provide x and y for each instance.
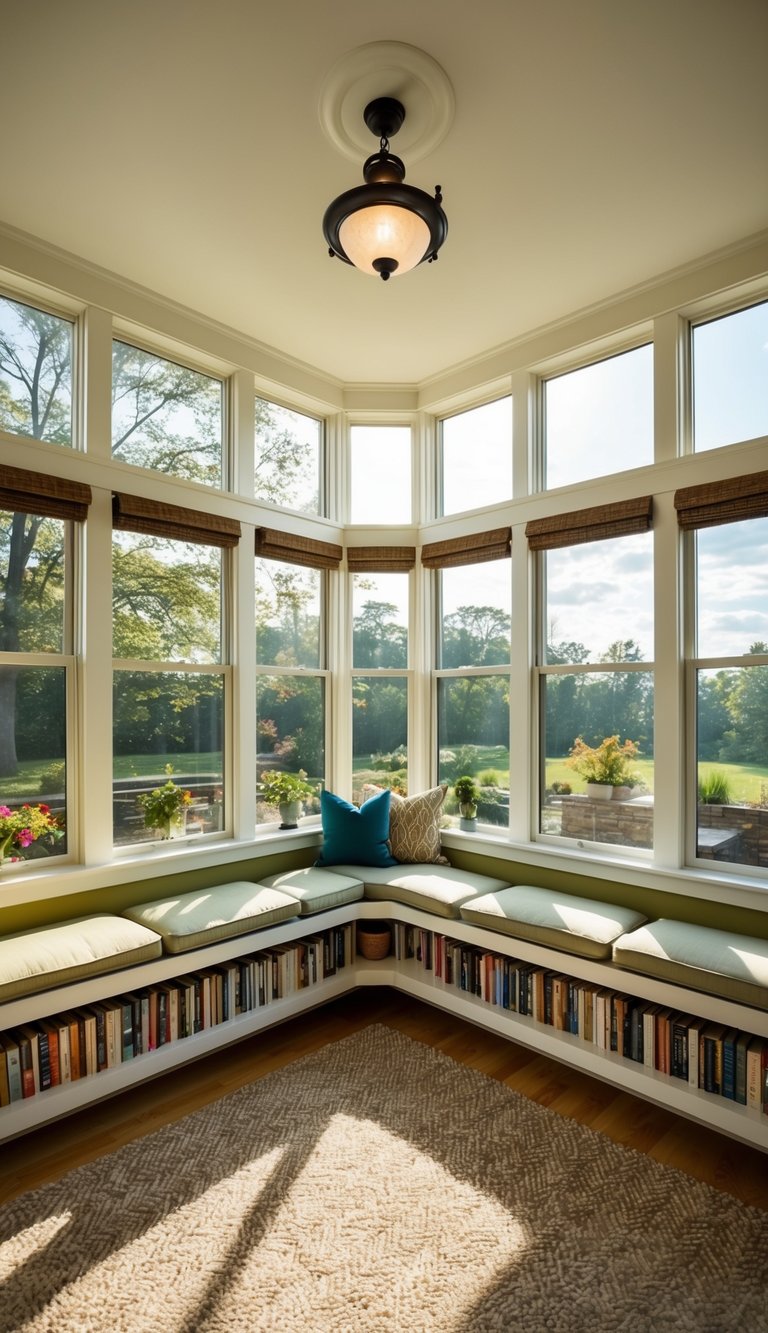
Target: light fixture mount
(385, 227)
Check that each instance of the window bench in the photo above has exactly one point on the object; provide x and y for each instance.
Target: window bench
(578, 939)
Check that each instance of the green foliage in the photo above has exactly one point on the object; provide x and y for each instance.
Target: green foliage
(475, 636)
(164, 802)
(715, 789)
(609, 763)
(489, 778)
(466, 790)
(165, 416)
(53, 778)
(279, 788)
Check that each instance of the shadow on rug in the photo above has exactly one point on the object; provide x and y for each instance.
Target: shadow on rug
(375, 1186)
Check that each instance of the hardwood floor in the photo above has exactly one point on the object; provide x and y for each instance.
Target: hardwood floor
(49, 1152)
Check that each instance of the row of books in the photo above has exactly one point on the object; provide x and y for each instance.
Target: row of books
(91, 1038)
(711, 1056)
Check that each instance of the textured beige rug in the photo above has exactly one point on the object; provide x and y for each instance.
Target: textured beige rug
(374, 1186)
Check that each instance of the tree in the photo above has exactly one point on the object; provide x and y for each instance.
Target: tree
(476, 636)
(379, 641)
(746, 741)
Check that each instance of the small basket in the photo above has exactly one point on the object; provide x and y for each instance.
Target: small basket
(375, 941)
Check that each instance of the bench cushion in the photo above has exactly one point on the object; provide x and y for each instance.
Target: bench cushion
(316, 890)
(437, 889)
(69, 951)
(734, 966)
(192, 920)
(545, 916)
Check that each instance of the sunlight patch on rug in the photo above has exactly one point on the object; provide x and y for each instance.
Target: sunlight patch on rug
(17, 1250)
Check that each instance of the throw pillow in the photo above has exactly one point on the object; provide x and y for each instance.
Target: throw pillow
(353, 836)
(414, 826)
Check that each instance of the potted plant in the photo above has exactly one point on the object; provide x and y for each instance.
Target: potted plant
(605, 767)
(287, 791)
(467, 793)
(21, 827)
(165, 807)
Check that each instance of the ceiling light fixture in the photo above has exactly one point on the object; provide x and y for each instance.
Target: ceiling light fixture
(385, 227)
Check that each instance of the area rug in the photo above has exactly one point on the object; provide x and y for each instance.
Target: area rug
(377, 1185)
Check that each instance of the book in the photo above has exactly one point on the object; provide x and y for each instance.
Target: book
(754, 1062)
(740, 1079)
(13, 1063)
(5, 1087)
(30, 1061)
(729, 1064)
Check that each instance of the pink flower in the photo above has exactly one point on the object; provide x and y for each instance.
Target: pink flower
(25, 836)
(4, 811)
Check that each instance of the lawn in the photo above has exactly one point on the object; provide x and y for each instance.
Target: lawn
(27, 784)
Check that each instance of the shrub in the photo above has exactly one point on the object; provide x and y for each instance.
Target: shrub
(715, 789)
(53, 778)
(489, 779)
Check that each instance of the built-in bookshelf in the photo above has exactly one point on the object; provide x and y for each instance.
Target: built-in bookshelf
(699, 1055)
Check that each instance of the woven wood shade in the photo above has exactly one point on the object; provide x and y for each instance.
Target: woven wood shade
(380, 559)
(622, 519)
(51, 497)
(727, 501)
(474, 549)
(274, 545)
(135, 513)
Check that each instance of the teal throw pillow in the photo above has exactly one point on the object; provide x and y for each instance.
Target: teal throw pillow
(352, 836)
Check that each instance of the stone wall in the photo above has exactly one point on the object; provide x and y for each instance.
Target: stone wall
(623, 823)
(747, 826)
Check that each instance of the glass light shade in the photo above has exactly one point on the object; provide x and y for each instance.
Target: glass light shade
(384, 231)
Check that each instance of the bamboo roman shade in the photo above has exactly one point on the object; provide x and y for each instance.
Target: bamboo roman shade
(272, 544)
(473, 549)
(727, 501)
(622, 519)
(135, 513)
(36, 493)
(380, 559)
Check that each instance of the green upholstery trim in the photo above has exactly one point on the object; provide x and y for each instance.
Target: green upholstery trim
(193, 920)
(71, 951)
(429, 888)
(544, 916)
(317, 890)
(715, 961)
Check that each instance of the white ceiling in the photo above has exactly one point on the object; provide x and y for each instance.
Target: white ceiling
(595, 146)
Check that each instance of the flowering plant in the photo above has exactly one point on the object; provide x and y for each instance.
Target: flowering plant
(20, 827)
(165, 803)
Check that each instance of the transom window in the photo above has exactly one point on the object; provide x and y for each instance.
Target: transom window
(165, 416)
(288, 458)
(35, 373)
(730, 378)
(381, 474)
(476, 457)
(599, 419)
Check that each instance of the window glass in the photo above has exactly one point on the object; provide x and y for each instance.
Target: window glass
(290, 729)
(33, 762)
(473, 740)
(732, 696)
(597, 725)
(287, 614)
(165, 416)
(31, 584)
(380, 620)
(599, 601)
(732, 587)
(476, 622)
(730, 378)
(35, 373)
(168, 727)
(166, 599)
(381, 474)
(477, 457)
(379, 734)
(287, 457)
(599, 419)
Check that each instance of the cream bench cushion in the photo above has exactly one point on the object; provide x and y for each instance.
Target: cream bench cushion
(70, 951)
(430, 888)
(192, 920)
(734, 966)
(316, 889)
(581, 926)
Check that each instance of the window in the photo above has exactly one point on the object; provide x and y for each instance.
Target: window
(170, 681)
(36, 660)
(596, 678)
(291, 679)
(288, 458)
(381, 474)
(380, 681)
(599, 419)
(35, 373)
(730, 378)
(476, 457)
(731, 670)
(166, 417)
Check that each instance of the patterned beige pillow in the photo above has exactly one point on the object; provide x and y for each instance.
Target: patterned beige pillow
(414, 827)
